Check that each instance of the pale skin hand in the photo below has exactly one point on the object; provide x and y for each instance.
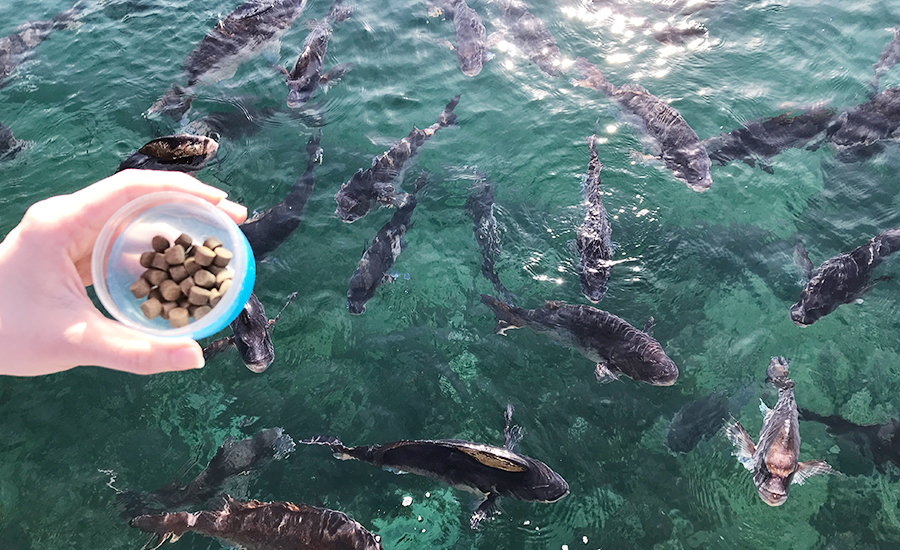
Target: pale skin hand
(47, 322)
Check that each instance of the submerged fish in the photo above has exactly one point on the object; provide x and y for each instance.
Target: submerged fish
(696, 421)
(493, 472)
(889, 57)
(616, 346)
(860, 132)
(28, 36)
(680, 148)
(255, 525)
(181, 153)
(9, 145)
(530, 35)
(378, 259)
(774, 459)
(593, 236)
(480, 205)
(366, 188)
(471, 36)
(880, 441)
(306, 75)
(764, 138)
(843, 278)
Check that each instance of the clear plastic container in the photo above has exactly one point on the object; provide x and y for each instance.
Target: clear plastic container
(115, 263)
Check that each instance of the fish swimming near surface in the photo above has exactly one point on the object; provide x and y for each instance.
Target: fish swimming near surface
(530, 36)
(616, 346)
(250, 28)
(255, 525)
(306, 75)
(889, 57)
(680, 149)
(377, 260)
(774, 459)
(368, 187)
(181, 153)
(491, 471)
(251, 336)
(861, 132)
(593, 237)
(233, 458)
(696, 421)
(480, 206)
(843, 278)
(471, 36)
(28, 35)
(759, 140)
(881, 442)
(9, 145)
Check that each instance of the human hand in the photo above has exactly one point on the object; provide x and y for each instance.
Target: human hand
(47, 322)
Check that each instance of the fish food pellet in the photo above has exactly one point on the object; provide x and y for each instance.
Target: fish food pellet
(183, 280)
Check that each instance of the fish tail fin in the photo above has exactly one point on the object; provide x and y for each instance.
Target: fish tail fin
(743, 443)
(448, 117)
(591, 77)
(777, 373)
(504, 313)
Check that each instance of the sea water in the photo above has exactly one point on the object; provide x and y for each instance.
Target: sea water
(713, 269)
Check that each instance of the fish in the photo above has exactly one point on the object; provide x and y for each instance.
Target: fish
(759, 140)
(671, 35)
(471, 36)
(251, 336)
(593, 237)
(881, 442)
(529, 34)
(696, 421)
(244, 120)
(377, 260)
(306, 75)
(233, 458)
(28, 36)
(859, 133)
(10, 146)
(680, 149)
(181, 153)
(248, 29)
(616, 346)
(266, 231)
(774, 459)
(889, 57)
(480, 206)
(359, 195)
(255, 525)
(843, 279)
(491, 471)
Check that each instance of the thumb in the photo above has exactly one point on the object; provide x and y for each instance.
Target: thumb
(110, 344)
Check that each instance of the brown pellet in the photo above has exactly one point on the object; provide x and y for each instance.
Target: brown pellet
(170, 290)
(175, 255)
(159, 261)
(184, 302)
(159, 243)
(147, 258)
(167, 308)
(200, 311)
(223, 256)
(212, 243)
(203, 255)
(140, 288)
(224, 286)
(191, 266)
(155, 276)
(214, 297)
(185, 241)
(178, 273)
(198, 296)
(205, 279)
(156, 295)
(151, 308)
(224, 275)
(179, 317)
(186, 285)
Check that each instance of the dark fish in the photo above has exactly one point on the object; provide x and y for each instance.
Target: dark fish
(232, 459)
(843, 278)
(860, 132)
(366, 188)
(255, 525)
(765, 138)
(28, 35)
(593, 236)
(671, 35)
(696, 421)
(471, 36)
(680, 148)
(880, 441)
(531, 37)
(268, 230)
(889, 57)
(9, 145)
(181, 153)
(243, 121)
(493, 472)
(252, 336)
(616, 346)
(774, 460)
(306, 76)
(480, 205)
(377, 260)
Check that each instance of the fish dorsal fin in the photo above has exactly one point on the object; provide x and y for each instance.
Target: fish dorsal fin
(494, 459)
(806, 470)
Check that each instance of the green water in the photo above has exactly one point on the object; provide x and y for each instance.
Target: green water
(713, 269)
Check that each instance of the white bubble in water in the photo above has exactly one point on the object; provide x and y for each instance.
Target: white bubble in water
(407, 500)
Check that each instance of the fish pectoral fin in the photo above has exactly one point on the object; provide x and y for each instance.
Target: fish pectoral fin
(335, 73)
(806, 470)
(603, 374)
(743, 443)
(484, 511)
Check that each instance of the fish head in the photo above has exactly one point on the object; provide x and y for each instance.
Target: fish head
(251, 336)
(471, 58)
(662, 371)
(690, 165)
(774, 490)
(300, 90)
(809, 309)
(357, 298)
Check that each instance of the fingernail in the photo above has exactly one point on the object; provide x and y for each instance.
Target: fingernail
(187, 357)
